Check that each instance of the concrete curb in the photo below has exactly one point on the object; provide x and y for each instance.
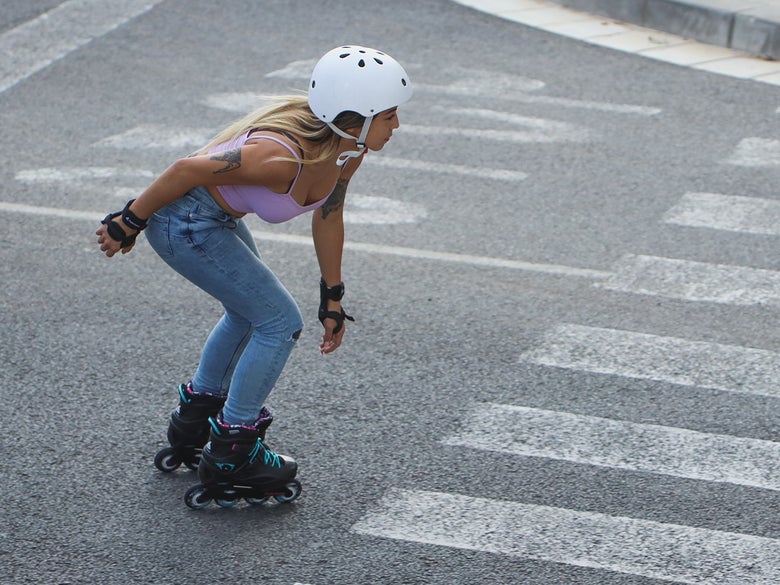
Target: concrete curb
(752, 26)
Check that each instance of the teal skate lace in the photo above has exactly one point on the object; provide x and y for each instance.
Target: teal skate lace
(270, 458)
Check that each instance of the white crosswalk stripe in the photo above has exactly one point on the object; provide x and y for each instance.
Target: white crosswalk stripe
(665, 359)
(540, 130)
(616, 444)
(68, 174)
(669, 552)
(158, 136)
(444, 168)
(38, 43)
(694, 281)
(756, 152)
(237, 102)
(537, 133)
(727, 212)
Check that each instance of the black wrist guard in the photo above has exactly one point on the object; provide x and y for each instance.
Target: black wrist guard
(115, 231)
(336, 316)
(332, 293)
(131, 219)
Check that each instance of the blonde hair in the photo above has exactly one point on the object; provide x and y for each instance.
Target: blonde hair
(291, 114)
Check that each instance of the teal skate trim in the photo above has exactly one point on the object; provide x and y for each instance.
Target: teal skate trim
(183, 394)
(269, 457)
(215, 426)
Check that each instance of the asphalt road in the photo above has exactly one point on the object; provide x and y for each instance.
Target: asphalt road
(539, 193)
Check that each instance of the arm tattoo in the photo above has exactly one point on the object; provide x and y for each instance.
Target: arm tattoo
(232, 160)
(335, 199)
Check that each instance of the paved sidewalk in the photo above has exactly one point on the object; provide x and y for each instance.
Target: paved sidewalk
(752, 26)
(709, 35)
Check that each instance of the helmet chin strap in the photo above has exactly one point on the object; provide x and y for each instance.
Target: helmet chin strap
(361, 142)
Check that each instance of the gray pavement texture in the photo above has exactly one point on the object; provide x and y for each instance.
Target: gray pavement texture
(752, 26)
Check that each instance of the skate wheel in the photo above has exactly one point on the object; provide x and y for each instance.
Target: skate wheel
(256, 501)
(226, 503)
(197, 497)
(292, 491)
(193, 463)
(167, 460)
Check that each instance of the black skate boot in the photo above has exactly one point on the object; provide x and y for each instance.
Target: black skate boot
(236, 464)
(188, 430)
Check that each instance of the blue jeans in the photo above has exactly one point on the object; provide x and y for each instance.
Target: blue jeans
(247, 349)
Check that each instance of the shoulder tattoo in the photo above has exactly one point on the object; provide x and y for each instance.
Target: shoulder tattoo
(336, 198)
(232, 159)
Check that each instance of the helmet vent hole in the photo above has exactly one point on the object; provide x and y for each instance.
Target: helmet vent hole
(378, 61)
(313, 83)
(344, 55)
(361, 63)
(403, 82)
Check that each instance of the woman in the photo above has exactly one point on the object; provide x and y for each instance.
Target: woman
(285, 159)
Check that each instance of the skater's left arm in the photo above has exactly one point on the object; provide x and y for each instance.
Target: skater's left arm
(328, 232)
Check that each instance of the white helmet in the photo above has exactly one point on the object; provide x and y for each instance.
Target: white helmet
(356, 79)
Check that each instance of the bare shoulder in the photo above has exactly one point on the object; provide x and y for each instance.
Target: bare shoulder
(260, 152)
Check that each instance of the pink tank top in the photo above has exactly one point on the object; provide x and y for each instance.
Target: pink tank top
(268, 205)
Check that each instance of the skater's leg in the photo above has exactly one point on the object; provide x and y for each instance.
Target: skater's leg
(227, 340)
(267, 346)
(260, 365)
(247, 358)
(215, 251)
(221, 353)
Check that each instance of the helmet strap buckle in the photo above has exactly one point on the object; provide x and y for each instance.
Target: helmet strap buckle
(361, 141)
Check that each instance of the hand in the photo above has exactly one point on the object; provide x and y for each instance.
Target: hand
(331, 341)
(109, 245)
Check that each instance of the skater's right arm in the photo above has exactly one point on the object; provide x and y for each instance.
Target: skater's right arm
(253, 164)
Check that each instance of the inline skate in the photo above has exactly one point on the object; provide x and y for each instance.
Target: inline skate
(236, 464)
(188, 430)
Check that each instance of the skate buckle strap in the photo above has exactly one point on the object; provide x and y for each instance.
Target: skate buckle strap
(215, 426)
(185, 396)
